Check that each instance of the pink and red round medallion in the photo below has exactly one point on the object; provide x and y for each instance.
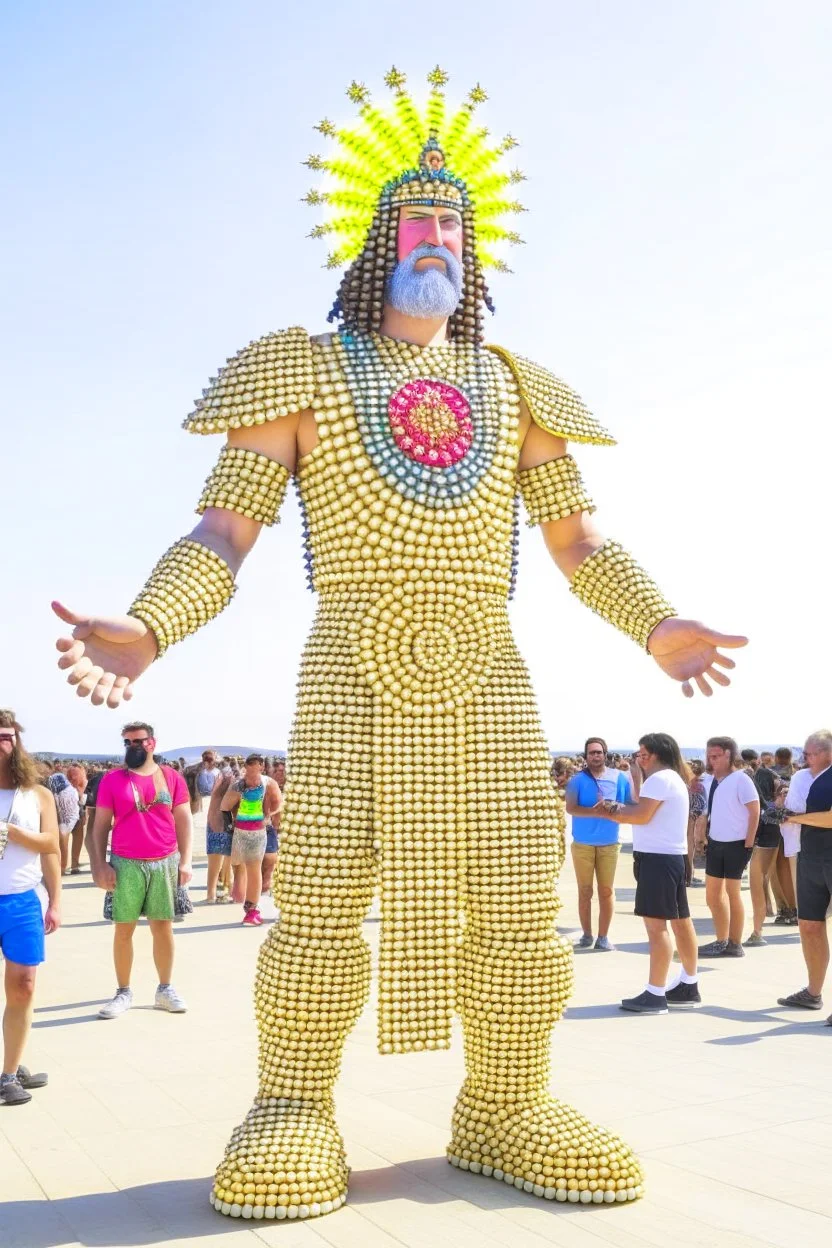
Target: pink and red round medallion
(431, 422)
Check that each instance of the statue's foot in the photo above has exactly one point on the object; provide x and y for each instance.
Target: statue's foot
(285, 1160)
(543, 1147)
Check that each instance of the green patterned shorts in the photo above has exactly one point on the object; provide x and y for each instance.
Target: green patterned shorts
(144, 886)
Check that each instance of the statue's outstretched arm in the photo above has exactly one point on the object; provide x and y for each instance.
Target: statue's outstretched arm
(606, 578)
(194, 579)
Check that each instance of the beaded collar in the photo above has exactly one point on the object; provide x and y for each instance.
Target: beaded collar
(429, 417)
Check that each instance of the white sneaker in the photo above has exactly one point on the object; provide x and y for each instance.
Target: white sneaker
(120, 1004)
(169, 999)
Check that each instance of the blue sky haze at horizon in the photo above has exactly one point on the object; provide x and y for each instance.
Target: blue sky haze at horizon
(676, 272)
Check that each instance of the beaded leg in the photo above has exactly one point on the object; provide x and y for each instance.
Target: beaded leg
(286, 1160)
(516, 972)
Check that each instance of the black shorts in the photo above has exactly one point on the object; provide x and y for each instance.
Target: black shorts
(726, 860)
(660, 886)
(768, 836)
(814, 885)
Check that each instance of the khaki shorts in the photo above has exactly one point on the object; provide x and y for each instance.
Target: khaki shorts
(595, 860)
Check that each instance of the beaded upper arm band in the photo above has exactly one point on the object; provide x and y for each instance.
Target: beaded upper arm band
(618, 589)
(246, 482)
(553, 490)
(189, 586)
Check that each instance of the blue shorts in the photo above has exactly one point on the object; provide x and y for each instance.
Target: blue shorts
(22, 936)
(218, 843)
(271, 840)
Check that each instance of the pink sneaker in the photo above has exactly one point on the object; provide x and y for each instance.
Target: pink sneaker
(252, 918)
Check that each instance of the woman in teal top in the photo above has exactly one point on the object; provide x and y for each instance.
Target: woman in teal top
(252, 799)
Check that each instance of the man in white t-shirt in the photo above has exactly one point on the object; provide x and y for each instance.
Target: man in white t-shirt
(660, 841)
(733, 818)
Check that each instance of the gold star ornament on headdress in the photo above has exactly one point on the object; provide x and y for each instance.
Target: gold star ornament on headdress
(413, 154)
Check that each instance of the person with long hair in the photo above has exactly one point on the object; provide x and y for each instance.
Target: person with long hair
(28, 861)
(76, 774)
(660, 827)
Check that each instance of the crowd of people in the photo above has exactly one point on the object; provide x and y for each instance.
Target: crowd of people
(735, 812)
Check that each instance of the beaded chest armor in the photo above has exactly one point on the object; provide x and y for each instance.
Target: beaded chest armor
(409, 501)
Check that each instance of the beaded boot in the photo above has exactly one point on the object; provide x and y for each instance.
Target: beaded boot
(507, 1126)
(286, 1160)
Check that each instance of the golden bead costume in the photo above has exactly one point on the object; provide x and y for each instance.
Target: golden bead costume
(246, 482)
(553, 490)
(411, 673)
(189, 586)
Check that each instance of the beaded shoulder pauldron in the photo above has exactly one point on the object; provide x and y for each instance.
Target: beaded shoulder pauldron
(269, 378)
(552, 404)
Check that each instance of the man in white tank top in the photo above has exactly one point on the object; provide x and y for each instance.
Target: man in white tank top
(29, 848)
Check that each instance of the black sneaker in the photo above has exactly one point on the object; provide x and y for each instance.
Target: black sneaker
(716, 949)
(733, 950)
(684, 996)
(645, 1003)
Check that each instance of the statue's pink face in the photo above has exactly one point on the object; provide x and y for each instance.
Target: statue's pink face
(437, 227)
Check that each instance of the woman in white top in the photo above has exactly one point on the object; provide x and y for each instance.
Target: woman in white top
(660, 836)
(28, 860)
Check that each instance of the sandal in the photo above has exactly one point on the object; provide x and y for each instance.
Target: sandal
(803, 999)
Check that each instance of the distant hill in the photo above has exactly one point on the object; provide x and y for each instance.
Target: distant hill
(193, 753)
(190, 753)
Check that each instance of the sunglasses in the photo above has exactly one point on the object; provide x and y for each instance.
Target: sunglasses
(135, 740)
(8, 736)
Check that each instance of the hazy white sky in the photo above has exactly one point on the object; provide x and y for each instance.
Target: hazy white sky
(677, 273)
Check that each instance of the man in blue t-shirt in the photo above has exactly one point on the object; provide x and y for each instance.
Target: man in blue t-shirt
(595, 843)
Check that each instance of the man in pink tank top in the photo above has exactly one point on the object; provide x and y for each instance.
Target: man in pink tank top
(149, 811)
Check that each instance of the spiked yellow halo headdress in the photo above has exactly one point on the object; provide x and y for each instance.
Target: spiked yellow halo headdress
(414, 155)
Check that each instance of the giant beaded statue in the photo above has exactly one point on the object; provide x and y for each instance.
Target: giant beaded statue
(411, 442)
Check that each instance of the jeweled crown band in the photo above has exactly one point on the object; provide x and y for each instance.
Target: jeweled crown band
(614, 586)
(189, 586)
(246, 482)
(553, 490)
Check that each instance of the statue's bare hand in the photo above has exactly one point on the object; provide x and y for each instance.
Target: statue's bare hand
(686, 650)
(104, 656)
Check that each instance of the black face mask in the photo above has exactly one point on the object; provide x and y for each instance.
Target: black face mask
(135, 756)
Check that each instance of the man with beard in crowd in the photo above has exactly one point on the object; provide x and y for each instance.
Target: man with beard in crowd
(595, 841)
(148, 809)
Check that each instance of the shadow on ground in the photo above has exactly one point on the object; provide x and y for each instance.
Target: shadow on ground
(157, 1213)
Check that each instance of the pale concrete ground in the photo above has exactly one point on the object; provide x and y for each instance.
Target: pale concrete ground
(730, 1107)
